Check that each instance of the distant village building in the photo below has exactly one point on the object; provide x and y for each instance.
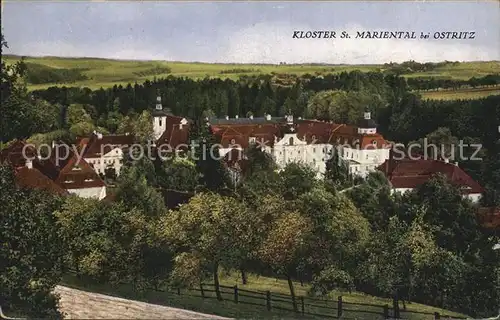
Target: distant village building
(407, 174)
(78, 177)
(105, 152)
(59, 176)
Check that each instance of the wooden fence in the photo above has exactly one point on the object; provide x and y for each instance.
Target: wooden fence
(307, 306)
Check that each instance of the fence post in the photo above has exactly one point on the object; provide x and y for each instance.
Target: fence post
(202, 291)
(437, 315)
(395, 304)
(268, 300)
(339, 307)
(386, 311)
(236, 293)
(302, 304)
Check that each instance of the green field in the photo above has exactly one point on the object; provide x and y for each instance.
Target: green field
(192, 300)
(465, 93)
(106, 72)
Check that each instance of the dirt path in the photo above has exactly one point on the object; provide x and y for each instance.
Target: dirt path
(77, 304)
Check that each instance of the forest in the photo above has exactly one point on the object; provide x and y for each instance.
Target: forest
(426, 244)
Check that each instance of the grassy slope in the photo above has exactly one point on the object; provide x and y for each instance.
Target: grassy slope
(192, 300)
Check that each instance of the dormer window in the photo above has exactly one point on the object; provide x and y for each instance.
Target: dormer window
(233, 141)
(77, 168)
(313, 137)
(68, 181)
(252, 140)
(88, 180)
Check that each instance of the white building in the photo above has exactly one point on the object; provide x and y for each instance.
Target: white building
(106, 152)
(306, 141)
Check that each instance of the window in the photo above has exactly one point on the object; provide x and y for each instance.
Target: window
(233, 141)
(68, 181)
(374, 142)
(314, 149)
(313, 137)
(252, 139)
(160, 122)
(290, 141)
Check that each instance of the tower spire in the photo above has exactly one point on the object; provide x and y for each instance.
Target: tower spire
(159, 106)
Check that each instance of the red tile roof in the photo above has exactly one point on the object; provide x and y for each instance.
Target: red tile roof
(409, 174)
(34, 179)
(312, 131)
(176, 134)
(54, 173)
(78, 175)
(97, 146)
(239, 134)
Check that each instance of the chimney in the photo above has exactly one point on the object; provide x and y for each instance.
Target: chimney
(99, 135)
(227, 117)
(446, 160)
(367, 115)
(180, 126)
(29, 164)
(251, 117)
(236, 116)
(268, 117)
(456, 163)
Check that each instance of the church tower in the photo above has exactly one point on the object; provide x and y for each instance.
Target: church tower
(159, 119)
(367, 125)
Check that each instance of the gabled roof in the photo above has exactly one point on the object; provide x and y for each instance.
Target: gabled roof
(176, 132)
(98, 145)
(34, 179)
(240, 134)
(78, 174)
(409, 174)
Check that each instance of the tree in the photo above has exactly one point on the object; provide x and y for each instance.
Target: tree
(213, 175)
(143, 128)
(285, 245)
(111, 243)
(211, 230)
(178, 174)
(337, 171)
(31, 259)
(297, 179)
(133, 189)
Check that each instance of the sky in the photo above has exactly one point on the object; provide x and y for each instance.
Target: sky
(249, 32)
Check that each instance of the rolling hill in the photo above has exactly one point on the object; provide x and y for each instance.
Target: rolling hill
(44, 72)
